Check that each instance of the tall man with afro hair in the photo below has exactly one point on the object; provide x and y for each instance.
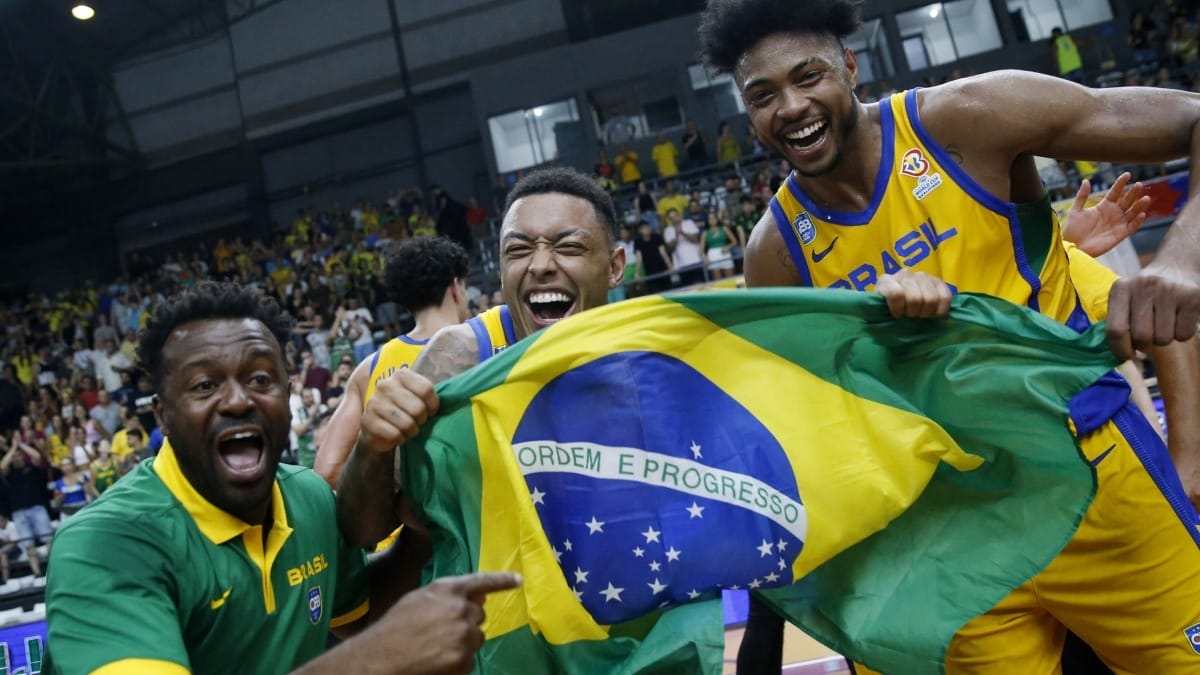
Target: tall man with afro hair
(935, 189)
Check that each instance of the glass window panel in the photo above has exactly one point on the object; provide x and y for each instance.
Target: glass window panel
(1038, 17)
(973, 25)
(870, 46)
(536, 135)
(925, 31)
(635, 108)
(1081, 13)
(718, 88)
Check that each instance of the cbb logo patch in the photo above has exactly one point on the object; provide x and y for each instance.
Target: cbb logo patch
(805, 230)
(315, 606)
(1193, 636)
(639, 495)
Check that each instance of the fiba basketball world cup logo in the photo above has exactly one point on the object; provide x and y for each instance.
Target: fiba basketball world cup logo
(648, 504)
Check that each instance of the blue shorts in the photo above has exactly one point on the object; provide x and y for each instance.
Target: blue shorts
(33, 524)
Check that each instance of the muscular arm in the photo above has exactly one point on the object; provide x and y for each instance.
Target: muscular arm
(1178, 369)
(366, 497)
(1026, 113)
(452, 350)
(342, 431)
(768, 261)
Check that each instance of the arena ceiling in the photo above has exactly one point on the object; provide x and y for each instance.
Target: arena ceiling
(60, 120)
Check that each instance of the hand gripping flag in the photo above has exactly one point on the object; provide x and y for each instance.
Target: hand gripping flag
(637, 459)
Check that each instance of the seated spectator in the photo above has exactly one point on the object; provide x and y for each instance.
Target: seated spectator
(74, 490)
(10, 546)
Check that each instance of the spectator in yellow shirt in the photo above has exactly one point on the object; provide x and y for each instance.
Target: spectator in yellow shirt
(671, 200)
(627, 162)
(666, 156)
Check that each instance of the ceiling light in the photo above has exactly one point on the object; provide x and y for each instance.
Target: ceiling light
(537, 112)
(82, 12)
(935, 10)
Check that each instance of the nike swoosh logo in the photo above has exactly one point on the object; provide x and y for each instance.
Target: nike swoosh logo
(217, 603)
(818, 256)
(1100, 458)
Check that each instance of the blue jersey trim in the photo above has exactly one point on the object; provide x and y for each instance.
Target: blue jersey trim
(976, 191)
(882, 177)
(793, 243)
(374, 361)
(1078, 321)
(482, 337)
(948, 164)
(1150, 449)
(506, 321)
(1092, 407)
(412, 341)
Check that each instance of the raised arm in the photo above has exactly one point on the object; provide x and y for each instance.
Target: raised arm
(367, 490)
(1030, 114)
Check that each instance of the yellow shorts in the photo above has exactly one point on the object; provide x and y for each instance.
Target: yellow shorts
(1127, 582)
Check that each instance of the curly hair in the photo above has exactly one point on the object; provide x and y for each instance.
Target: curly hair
(729, 28)
(568, 181)
(207, 300)
(419, 271)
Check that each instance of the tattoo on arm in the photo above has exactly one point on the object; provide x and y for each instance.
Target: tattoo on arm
(954, 153)
(784, 256)
(450, 352)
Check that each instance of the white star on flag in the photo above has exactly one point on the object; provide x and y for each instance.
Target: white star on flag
(611, 593)
(781, 545)
(672, 554)
(755, 583)
(692, 594)
(655, 566)
(557, 554)
(595, 526)
(766, 549)
(638, 552)
(696, 450)
(580, 575)
(567, 544)
(696, 511)
(578, 594)
(650, 534)
(537, 496)
(772, 578)
(656, 588)
(735, 587)
(782, 565)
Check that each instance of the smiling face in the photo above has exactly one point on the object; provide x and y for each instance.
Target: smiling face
(799, 94)
(556, 260)
(224, 408)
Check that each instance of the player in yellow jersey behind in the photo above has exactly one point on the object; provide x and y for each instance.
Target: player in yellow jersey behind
(936, 190)
(558, 257)
(427, 276)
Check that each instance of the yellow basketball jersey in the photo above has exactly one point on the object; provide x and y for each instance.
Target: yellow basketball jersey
(399, 352)
(928, 215)
(494, 331)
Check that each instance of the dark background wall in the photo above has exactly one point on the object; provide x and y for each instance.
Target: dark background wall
(300, 103)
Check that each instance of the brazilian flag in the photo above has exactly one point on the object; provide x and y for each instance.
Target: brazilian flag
(879, 481)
